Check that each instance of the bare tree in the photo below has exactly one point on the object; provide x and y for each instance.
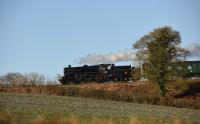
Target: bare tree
(34, 78)
(12, 79)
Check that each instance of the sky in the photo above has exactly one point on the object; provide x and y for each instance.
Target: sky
(44, 36)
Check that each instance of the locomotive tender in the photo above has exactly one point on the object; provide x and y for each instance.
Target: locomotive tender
(96, 73)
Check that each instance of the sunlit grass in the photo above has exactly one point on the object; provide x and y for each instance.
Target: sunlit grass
(33, 107)
(181, 93)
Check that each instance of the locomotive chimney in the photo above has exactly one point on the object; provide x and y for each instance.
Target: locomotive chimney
(69, 66)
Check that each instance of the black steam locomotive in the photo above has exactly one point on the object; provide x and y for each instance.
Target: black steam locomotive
(110, 72)
(96, 73)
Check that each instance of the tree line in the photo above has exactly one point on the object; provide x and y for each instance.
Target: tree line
(18, 79)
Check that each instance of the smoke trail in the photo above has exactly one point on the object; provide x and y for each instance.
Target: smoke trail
(126, 55)
(120, 56)
(194, 49)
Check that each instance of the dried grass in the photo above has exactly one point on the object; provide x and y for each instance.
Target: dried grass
(7, 118)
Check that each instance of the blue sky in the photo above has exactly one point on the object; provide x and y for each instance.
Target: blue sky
(45, 35)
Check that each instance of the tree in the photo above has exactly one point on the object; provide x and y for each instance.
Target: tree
(136, 73)
(157, 50)
(34, 78)
(12, 79)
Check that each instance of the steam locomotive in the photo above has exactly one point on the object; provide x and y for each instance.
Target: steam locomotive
(96, 73)
(109, 72)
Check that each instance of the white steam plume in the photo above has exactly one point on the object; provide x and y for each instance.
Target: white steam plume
(126, 55)
(121, 56)
(194, 48)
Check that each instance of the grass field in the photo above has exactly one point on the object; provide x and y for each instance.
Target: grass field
(181, 93)
(28, 106)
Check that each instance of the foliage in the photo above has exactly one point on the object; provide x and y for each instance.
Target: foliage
(158, 50)
(136, 74)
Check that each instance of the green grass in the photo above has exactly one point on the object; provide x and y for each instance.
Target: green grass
(28, 106)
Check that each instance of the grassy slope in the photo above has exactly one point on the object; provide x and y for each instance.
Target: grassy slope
(182, 93)
(30, 106)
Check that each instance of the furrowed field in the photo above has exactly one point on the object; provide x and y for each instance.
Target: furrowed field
(29, 108)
